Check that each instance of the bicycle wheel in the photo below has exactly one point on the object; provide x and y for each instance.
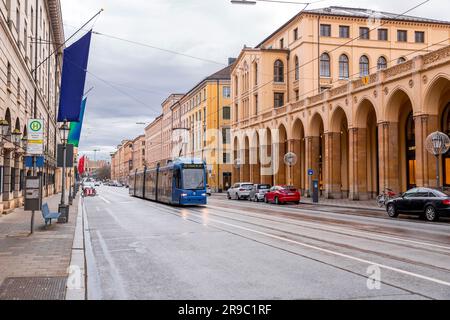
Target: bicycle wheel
(381, 202)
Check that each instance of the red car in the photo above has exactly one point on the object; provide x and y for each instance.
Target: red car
(282, 194)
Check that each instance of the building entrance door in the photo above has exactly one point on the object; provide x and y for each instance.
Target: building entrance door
(227, 180)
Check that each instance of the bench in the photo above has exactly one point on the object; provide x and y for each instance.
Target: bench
(47, 215)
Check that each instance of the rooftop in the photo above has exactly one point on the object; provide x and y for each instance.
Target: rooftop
(361, 13)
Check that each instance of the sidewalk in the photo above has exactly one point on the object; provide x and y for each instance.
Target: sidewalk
(341, 203)
(35, 267)
(345, 203)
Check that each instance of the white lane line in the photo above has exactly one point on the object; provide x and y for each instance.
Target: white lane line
(107, 201)
(349, 231)
(342, 255)
(115, 273)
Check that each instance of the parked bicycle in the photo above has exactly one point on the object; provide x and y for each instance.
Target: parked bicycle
(385, 197)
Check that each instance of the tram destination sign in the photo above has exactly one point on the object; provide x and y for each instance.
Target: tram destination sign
(193, 166)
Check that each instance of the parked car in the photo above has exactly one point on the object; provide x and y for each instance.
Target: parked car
(258, 192)
(428, 203)
(240, 190)
(97, 183)
(282, 194)
(208, 190)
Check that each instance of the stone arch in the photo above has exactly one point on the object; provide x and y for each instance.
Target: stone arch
(266, 155)
(280, 148)
(236, 155)
(337, 156)
(8, 118)
(364, 152)
(400, 114)
(315, 124)
(436, 92)
(398, 97)
(316, 148)
(436, 104)
(255, 164)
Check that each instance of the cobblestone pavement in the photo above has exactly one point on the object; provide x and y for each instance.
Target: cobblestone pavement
(46, 253)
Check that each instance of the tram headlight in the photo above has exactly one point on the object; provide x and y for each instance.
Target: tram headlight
(184, 195)
(203, 194)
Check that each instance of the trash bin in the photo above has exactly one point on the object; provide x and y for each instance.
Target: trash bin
(64, 211)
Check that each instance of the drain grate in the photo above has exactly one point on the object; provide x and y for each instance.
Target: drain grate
(33, 288)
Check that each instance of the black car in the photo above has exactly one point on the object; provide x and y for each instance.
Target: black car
(429, 203)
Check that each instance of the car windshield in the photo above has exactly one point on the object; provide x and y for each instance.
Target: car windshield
(264, 187)
(289, 188)
(193, 179)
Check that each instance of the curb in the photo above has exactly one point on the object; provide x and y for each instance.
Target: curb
(76, 281)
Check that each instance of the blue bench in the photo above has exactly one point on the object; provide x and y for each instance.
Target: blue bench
(47, 215)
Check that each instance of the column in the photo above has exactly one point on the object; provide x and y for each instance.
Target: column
(333, 176)
(297, 171)
(358, 164)
(425, 161)
(255, 169)
(8, 197)
(389, 156)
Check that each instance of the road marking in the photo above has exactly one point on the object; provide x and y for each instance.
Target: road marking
(115, 273)
(345, 230)
(342, 255)
(107, 201)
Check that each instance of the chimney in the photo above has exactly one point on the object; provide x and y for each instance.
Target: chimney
(231, 61)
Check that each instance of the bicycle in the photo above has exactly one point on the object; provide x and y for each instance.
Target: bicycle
(385, 197)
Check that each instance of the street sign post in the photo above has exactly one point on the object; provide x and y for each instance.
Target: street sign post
(35, 146)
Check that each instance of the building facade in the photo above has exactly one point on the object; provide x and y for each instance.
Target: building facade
(29, 88)
(153, 142)
(139, 150)
(357, 123)
(205, 116)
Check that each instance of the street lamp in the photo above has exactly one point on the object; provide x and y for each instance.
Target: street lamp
(290, 159)
(63, 209)
(15, 137)
(4, 128)
(437, 143)
(25, 143)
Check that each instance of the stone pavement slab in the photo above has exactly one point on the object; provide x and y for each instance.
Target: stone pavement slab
(46, 253)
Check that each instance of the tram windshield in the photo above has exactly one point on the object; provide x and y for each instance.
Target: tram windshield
(193, 179)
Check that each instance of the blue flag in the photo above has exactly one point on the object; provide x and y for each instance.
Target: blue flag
(75, 127)
(73, 79)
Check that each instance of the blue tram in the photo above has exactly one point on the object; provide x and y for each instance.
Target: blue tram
(181, 182)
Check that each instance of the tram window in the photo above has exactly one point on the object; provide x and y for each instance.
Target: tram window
(193, 179)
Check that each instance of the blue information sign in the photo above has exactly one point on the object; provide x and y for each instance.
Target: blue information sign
(310, 172)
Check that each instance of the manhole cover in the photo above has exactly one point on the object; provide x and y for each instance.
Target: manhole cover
(33, 288)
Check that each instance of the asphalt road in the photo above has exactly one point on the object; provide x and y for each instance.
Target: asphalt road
(229, 249)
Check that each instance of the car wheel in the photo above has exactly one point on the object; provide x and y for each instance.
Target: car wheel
(277, 201)
(266, 200)
(392, 211)
(228, 196)
(431, 214)
(237, 197)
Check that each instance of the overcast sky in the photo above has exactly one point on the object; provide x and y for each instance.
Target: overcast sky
(139, 78)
